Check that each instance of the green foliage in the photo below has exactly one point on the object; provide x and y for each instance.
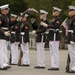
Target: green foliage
(18, 6)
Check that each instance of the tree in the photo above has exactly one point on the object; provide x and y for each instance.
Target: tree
(16, 6)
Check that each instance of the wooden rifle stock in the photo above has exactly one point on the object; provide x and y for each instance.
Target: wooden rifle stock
(68, 63)
(20, 57)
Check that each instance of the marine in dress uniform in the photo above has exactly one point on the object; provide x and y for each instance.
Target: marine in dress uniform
(14, 39)
(71, 39)
(3, 37)
(40, 39)
(54, 38)
(24, 41)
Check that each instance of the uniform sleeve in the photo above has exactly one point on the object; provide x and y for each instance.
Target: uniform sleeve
(41, 30)
(16, 26)
(11, 23)
(26, 26)
(0, 21)
(56, 24)
(73, 25)
(35, 26)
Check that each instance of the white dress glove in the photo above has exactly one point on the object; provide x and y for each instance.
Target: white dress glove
(15, 43)
(46, 32)
(33, 20)
(7, 33)
(71, 42)
(33, 32)
(43, 24)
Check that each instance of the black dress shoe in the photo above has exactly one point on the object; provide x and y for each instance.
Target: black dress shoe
(67, 69)
(24, 65)
(18, 65)
(13, 64)
(39, 67)
(5, 68)
(53, 69)
(71, 71)
(8, 67)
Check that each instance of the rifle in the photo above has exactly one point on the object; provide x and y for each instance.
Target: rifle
(20, 57)
(21, 53)
(10, 58)
(68, 63)
(29, 10)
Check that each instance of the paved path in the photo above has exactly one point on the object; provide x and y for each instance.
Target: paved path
(16, 70)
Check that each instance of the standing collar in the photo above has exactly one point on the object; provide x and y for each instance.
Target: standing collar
(73, 16)
(56, 16)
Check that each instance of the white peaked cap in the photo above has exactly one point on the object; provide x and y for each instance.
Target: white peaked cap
(4, 6)
(71, 7)
(57, 9)
(21, 13)
(26, 15)
(44, 12)
(13, 15)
